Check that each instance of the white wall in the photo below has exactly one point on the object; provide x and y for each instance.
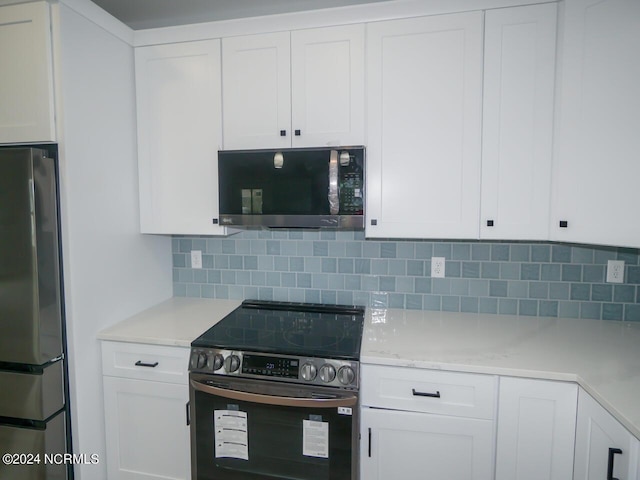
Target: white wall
(111, 271)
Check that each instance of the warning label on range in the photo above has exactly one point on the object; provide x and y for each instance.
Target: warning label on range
(230, 428)
(315, 439)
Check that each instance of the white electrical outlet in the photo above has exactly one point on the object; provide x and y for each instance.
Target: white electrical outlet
(615, 271)
(196, 258)
(437, 267)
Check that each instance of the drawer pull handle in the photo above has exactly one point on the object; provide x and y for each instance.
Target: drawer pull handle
(140, 363)
(369, 443)
(612, 452)
(425, 394)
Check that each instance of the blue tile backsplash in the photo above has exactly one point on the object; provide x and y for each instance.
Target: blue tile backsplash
(535, 279)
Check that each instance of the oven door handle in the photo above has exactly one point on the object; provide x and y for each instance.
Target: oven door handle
(276, 400)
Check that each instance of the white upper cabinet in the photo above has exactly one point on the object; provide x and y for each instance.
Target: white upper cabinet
(300, 89)
(179, 135)
(256, 82)
(597, 159)
(327, 86)
(517, 128)
(424, 107)
(26, 88)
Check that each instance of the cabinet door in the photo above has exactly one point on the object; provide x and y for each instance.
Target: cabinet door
(327, 86)
(414, 446)
(26, 89)
(517, 128)
(597, 165)
(424, 103)
(179, 134)
(256, 91)
(146, 429)
(596, 433)
(536, 429)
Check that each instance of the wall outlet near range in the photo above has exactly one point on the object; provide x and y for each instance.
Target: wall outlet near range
(615, 271)
(196, 258)
(437, 267)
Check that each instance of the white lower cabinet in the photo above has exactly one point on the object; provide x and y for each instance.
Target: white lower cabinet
(431, 436)
(419, 445)
(146, 419)
(604, 448)
(536, 429)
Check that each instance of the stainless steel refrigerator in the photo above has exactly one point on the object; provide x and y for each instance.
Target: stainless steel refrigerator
(33, 408)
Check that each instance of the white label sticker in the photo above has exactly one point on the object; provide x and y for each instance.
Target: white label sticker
(345, 411)
(230, 428)
(315, 439)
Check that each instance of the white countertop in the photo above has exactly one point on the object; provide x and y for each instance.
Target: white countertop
(601, 356)
(174, 322)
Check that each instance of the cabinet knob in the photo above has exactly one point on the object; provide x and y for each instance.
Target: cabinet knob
(489, 223)
(564, 224)
(297, 132)
(215, 221)
(283, 133)
(374, 222)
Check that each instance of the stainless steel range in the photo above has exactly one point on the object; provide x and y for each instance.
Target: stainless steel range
(274, 393)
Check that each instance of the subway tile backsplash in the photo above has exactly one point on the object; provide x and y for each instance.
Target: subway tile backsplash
(535, 279)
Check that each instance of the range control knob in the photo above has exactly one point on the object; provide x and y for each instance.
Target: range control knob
(232, 363)
(218, 361)
(327, 373)
(308, 371)
(201, 360)
(346, 375)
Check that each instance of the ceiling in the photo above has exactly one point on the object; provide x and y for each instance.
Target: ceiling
(142, 14)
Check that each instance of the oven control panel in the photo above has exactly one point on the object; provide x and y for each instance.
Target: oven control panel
(287, 368)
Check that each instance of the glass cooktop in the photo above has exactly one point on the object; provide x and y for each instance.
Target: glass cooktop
(304, 329)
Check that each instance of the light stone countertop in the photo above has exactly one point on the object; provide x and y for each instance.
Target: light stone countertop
(603, 357)
(174, 322)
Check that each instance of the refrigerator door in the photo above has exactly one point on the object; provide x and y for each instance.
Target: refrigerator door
(47, 438)
(32, 396)
(30, 311)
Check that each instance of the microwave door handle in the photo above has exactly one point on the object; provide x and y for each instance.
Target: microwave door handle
(334, 199)
(350, 401)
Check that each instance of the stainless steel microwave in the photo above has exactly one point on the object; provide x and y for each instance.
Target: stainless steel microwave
(292, 188)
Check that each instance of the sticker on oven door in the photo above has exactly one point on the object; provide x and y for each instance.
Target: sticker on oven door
(230, 427)
(315, 439)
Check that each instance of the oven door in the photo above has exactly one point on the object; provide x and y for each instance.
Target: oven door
(258, 430)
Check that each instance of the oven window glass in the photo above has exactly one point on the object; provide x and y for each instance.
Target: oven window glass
(275, 442)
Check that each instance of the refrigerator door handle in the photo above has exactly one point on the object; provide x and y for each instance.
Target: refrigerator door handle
(32, 207)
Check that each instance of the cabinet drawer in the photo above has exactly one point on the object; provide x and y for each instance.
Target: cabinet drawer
(146, 362)
(445, 393)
